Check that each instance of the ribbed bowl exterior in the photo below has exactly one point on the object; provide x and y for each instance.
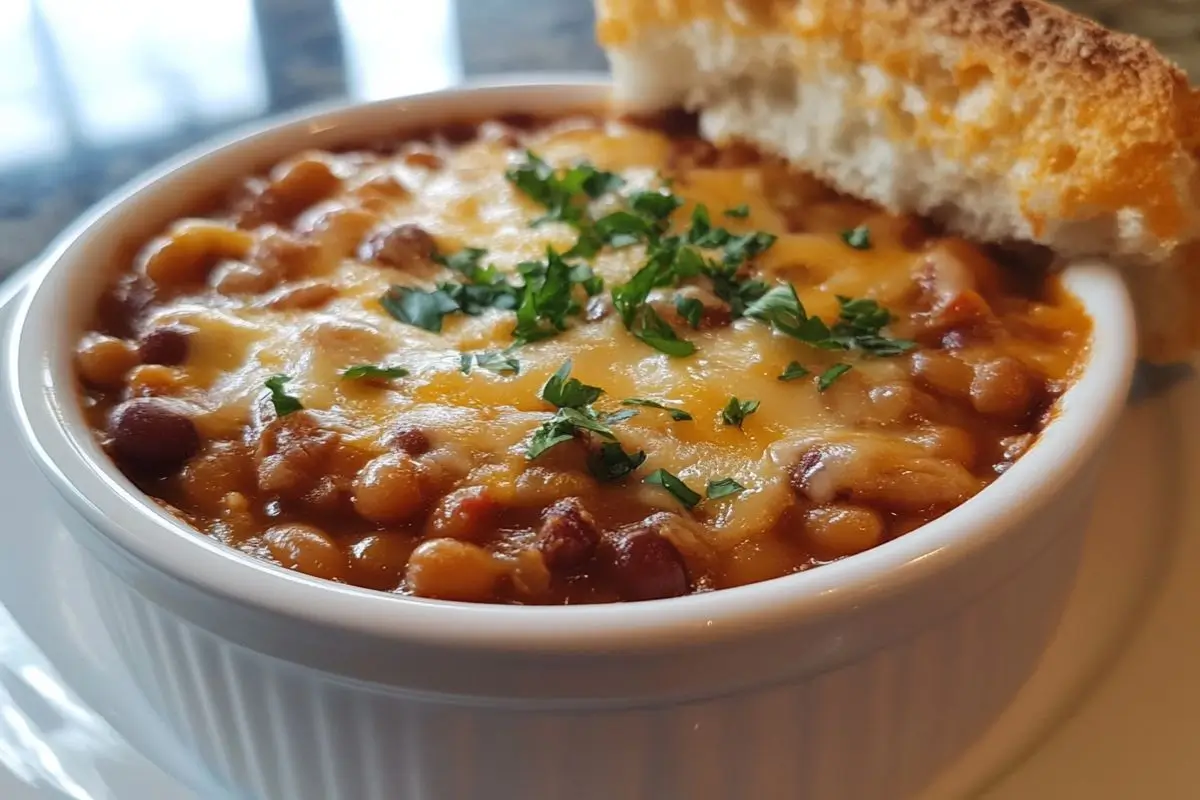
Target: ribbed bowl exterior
(856, 681)
(880, 727)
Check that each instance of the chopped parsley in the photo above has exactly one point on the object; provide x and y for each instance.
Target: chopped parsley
(546, 299)
(690, 309)
(740, 249)
(738, 212)
(723, 488)
(859, 326)
(677, 414)
(564, 193)
(680, 490)
(284, 403)
(563, 391)
(832, 374)
(736, 411)
(424, 309)
(563, 427)
(501, 362)
(793, 371)
(372, 372)
(859, 238)
(657, 206)
(574, 417)
(611, 462)
(465, 260)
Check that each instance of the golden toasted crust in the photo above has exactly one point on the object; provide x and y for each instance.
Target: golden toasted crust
(1106, 122)
(1077, 124)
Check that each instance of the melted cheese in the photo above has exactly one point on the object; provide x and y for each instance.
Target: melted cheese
(240, 343)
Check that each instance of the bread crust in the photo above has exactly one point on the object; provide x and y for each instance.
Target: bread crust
(1076, 123)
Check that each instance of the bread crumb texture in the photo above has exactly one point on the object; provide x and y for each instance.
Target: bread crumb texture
(1002, 119)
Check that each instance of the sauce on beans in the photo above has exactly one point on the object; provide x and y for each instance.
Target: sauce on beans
(567, 361)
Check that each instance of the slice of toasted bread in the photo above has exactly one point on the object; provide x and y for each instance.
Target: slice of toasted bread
(1001, 119)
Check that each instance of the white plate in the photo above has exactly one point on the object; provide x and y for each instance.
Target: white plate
(1112, 712)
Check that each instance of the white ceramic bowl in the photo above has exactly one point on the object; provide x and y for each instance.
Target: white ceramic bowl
(856, 680)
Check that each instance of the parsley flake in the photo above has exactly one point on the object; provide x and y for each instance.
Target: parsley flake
(723, 488)
(738, 212)
(859, 238)
(793, 371)
(546, 299)
(563, 193)
(563, 391)
(501, 362)
(690, 309)
(657, 206)
(372, 372)
(424, 309)
(677, 414)
(611, 462)
(680, 490)
(736, 411)
(832, 374)
(284, 403)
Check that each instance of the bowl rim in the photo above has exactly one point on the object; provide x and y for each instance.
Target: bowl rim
(52, 428)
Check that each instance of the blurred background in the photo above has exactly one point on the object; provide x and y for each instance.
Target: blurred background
(92, 92)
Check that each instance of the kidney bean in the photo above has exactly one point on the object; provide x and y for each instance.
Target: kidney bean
(568, 535)
(166, 345)
(152, 434)
(121, 308)
(647, 567)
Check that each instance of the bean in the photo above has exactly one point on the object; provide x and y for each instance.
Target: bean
(121, 308)
(947, 375)
(236, 277)
(842, 530)
(104, 361)
(598, 308)
(190, 251)
(648, 567)
(894, 475)
(306, 296)
(426, 159)
(378, 561)
(307, 549)
(465, 513)
(714, 312)
(945, 441)
(223, 468)
(154, 380)
(568, 535)
(292, 455)
(293, 188)
(153, 434)
(451, 570)
(402, 246)
(390, 489)
(1003, 387)
(413, 441)
(167, 345)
